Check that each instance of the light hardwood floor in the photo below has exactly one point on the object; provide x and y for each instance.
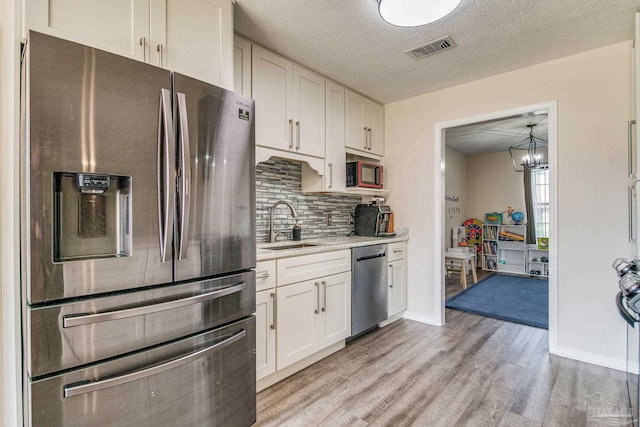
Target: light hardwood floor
(474, 371)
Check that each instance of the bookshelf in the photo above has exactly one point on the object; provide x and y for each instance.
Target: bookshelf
(504, 249)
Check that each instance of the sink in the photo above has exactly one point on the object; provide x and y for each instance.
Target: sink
(293, 246)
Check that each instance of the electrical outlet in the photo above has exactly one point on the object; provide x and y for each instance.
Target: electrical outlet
(352, 218)
(329, 219)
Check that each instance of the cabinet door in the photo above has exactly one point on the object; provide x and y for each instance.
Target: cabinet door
(118, 26)
(194, 38)
(335, 309)
(265, 333)
(376, 129)
(335, 156)
(308, 112)
(355, 122)
(272, 91)
(242, 66)
(397, 287)
(298, 308)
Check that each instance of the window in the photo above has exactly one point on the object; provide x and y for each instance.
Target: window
(540, 195)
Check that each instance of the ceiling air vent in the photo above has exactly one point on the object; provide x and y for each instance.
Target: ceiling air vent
(431, 48)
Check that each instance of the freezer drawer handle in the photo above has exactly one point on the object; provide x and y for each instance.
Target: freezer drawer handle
(79, 389)
(70, 321)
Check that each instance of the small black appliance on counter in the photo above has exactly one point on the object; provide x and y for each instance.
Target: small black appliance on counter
(373, 220)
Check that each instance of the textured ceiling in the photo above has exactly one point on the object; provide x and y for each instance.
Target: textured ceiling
(497, 135)
(346, 40)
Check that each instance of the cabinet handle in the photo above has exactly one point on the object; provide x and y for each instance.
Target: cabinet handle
(143, 43)
(630, 150)
(324, 294)
(159, 49)
(369, 133)
(290, 134)
(317, 297)
(391, 281)
(265, 275)
(330, 175)
(297, 135)
(395, 251)
(365, 138)
(272, 296)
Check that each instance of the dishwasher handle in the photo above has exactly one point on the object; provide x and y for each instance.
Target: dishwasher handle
(364, 258)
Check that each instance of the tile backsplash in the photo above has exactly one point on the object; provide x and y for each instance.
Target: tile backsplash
(278, 179)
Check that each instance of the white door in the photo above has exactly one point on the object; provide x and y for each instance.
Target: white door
(298, 308)
(272, 92)
(376, 129)
(308, 112)
(335, 309)
(355, 122)
(397, 292)
(118, 26)
(194, 38)
(265, 333)
(335, 157)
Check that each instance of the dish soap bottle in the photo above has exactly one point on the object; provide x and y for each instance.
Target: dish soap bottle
(297, 232)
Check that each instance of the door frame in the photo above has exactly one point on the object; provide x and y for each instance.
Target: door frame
(439, 242)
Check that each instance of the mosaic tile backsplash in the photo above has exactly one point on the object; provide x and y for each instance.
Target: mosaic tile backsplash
(278, 179)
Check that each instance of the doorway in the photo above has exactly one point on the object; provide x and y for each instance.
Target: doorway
(446, 214)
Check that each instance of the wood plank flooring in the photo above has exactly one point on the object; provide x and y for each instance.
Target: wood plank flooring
(474, 371)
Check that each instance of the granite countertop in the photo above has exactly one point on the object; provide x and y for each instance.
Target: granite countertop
(326, 244)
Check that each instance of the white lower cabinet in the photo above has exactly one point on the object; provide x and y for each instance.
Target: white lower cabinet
(312, 315)
(265, 333)
(306, 317)
(397, 301)
(397, 280)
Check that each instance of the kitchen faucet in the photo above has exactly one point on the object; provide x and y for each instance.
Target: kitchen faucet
(272, 232)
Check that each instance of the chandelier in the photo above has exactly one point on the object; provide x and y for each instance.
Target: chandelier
(527, 152)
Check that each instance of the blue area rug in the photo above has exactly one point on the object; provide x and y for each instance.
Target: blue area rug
(516, 299)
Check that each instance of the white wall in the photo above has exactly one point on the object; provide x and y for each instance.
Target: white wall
(493, 185)
(455, 185)
(593, 93)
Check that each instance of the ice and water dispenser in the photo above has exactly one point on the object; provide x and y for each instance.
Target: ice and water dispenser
(92, 216)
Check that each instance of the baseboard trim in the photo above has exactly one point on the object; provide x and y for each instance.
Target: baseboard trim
(595, 359)
(429, 320)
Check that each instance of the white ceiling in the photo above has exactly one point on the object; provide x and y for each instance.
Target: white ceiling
(346, 40)
(496, 135)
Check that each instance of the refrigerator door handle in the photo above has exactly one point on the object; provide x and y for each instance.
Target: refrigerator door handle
(69, 321)
(76, 389)
(166, 174)
(185, 176)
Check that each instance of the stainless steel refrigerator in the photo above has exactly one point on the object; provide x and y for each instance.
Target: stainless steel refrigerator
(138, 243)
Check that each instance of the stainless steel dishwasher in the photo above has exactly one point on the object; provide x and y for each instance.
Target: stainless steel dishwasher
(368, 288)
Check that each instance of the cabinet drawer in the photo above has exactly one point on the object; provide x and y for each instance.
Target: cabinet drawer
(308, 267)
(265, 275)
(397, 251)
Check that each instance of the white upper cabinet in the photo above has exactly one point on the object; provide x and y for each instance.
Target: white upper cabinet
(242, 66)
(289, 105)
(193, 37)
(364, 125)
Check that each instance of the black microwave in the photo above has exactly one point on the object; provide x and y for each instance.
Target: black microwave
(363, 174)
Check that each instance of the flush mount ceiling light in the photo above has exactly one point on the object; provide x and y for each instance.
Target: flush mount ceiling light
(531, 157)
(412, 13)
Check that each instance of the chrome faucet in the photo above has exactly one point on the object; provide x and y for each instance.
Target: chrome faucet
(272, 232)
